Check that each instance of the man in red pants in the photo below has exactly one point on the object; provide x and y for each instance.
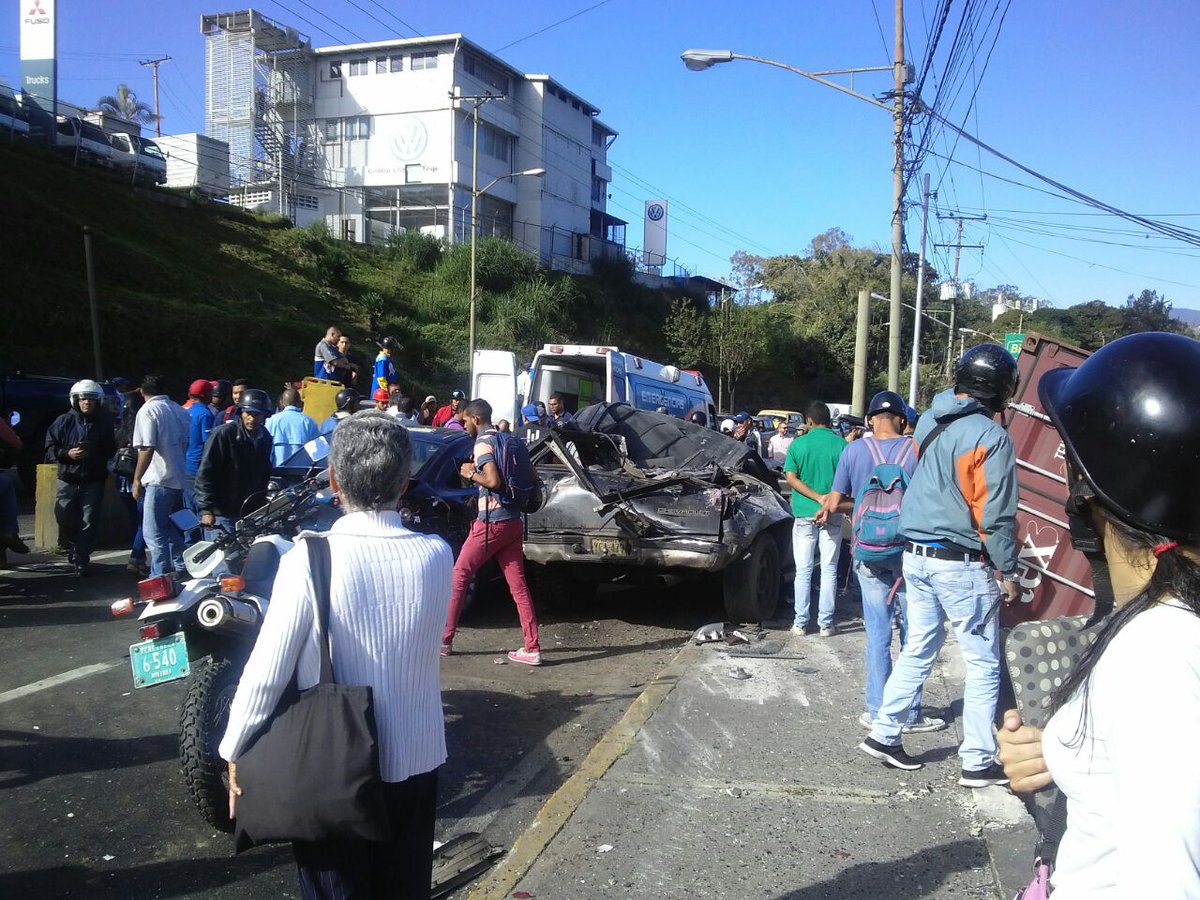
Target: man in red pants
(498, 532)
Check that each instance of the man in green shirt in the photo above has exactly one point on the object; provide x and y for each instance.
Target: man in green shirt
(811, 461)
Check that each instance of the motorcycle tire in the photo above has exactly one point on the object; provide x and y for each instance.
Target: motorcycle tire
(205, 714)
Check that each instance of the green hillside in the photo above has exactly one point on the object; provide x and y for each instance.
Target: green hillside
(192, 289)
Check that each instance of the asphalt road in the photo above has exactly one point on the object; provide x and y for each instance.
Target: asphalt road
(92, 802)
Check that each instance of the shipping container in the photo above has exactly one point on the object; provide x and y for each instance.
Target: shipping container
(1056, 579)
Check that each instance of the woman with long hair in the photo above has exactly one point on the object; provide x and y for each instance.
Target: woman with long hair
(1123, 724)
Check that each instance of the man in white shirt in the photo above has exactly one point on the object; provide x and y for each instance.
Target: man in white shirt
(160, 434)
(388, 598)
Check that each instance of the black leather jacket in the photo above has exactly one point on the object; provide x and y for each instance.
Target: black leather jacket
(72, 429)
(235, 465)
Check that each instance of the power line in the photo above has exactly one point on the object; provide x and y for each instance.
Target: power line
(554, 25)
(396, 17)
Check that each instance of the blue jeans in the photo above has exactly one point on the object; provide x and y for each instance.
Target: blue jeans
(137, 549)
(221, 526)
(163, 539)
(77, 510)
(807, 538)
(875, 583)
(8, 504)
(968, 593)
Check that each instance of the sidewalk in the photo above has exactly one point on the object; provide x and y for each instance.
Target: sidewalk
(715, 786)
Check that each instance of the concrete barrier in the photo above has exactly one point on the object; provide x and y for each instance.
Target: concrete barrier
(114, 521)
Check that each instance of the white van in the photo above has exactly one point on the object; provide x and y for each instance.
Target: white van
(12, 114)
(139, 156)
(584, 374)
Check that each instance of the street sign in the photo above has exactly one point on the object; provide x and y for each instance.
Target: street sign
(1013, 342)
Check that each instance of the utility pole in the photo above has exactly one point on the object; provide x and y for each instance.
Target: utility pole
(958, 249)
(156, 63)
(914, 369)
(896, 318)
(858, 398)
(92, 301)
(478, 101)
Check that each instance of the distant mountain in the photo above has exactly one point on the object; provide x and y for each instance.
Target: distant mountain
(1191, 316)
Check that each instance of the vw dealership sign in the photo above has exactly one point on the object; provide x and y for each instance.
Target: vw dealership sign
(654, 243)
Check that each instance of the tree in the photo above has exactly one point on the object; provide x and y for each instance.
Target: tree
(740, 338)
(125, 104)
(686, 333)
(1150, 312)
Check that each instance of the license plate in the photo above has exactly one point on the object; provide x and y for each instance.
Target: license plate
(602, 546)
(160, 660)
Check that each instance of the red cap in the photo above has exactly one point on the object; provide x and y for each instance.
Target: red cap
(201, 388)
(381, 394)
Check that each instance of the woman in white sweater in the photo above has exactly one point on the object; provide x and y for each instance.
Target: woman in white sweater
(1124, 722)
(389, 593)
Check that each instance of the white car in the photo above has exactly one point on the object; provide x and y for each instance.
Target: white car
(140, 156)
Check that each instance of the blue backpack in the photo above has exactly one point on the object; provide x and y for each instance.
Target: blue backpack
(875, 525)
(522, 489)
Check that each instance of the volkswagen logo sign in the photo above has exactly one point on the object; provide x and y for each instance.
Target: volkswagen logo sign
(409, 140)
(655, 211)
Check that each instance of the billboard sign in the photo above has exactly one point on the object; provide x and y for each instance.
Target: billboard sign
(39, 66)
(654, 242)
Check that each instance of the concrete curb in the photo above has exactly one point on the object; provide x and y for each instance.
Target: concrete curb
(563, 803)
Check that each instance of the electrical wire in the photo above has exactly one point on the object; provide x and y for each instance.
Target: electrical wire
(553, 25)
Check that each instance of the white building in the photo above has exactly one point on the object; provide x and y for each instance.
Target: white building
(377, 138)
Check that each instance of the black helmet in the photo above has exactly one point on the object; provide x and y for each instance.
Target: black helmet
(457, 395)
(222, 388)
(698, 418)
(347, 398)
(887, 402)
(255, 401)
(390, 343)
(1128, 422)
(988, 373)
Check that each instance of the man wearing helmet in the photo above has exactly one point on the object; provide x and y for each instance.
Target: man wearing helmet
(236, 462)
(347, 400)
(959, 521)
(385, 367)
(82, 442)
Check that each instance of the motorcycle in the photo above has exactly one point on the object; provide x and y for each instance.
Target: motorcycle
(204, 628)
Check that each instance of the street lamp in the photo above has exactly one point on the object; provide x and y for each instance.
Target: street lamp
(476, 193)
(699, 60)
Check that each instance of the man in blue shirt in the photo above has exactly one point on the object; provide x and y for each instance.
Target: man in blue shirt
(290, 429)
(385, 368)
(880, 583)
(200, 425)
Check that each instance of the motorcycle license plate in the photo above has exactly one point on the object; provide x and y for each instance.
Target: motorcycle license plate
(160, 660)
(609, 547)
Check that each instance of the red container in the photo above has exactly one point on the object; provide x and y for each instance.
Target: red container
(1056, 579)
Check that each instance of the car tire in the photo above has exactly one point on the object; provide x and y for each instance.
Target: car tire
(752, 583)
(553, 587)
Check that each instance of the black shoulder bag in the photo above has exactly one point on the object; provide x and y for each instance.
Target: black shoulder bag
(312, 773)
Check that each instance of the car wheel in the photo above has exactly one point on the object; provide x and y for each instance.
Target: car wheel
(752, 583)
(553, 587)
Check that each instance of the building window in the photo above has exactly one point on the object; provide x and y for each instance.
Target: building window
(335, 69)
(598, 188)
(358, 66)
(492, 141)
(358, 128)
(485, 72)
(381, 65)
(396, 63)
(426, 59)
(597, 136)
(330, 131)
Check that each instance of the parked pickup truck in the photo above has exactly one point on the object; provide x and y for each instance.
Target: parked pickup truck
(1056, 579)
(139, 157)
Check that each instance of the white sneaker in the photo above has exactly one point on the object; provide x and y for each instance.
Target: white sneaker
(829, 631)
(924, 724)
(866, 721)
(799, 629)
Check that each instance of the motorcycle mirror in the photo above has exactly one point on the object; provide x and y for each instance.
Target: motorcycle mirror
(201, 560)
(185, 520)
(15, 419)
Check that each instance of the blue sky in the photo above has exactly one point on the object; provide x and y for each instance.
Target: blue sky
(1093, 93)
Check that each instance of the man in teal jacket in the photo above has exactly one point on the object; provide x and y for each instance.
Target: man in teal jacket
(959, 520)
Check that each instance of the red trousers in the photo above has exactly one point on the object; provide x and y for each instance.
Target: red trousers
(503, 541)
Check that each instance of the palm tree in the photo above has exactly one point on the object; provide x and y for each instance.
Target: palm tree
(126, 105)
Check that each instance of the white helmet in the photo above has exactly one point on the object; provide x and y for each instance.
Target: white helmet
(85, 388)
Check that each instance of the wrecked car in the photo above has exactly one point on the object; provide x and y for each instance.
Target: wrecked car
(636, 496)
